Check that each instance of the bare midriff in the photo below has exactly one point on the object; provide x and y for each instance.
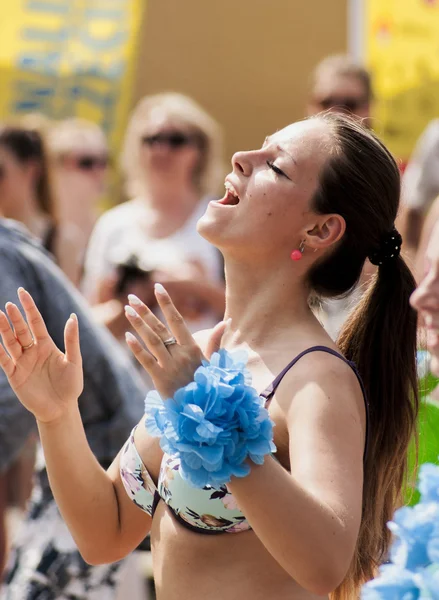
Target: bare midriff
(228, 566)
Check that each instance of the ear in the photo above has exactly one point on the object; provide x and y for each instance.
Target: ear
(326, 232)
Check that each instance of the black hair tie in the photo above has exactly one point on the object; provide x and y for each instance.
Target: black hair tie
(389, 249)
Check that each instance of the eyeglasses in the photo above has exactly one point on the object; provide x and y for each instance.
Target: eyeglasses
(174, 139)
(349, 103)
(90, 163)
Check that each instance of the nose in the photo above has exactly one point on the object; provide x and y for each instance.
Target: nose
(424, 298)
(241, 163)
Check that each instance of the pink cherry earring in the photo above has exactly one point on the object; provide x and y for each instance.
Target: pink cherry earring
(297, 254)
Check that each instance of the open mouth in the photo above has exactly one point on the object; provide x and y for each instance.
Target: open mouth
(231, 198)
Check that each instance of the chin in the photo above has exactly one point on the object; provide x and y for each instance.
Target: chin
(209, 229)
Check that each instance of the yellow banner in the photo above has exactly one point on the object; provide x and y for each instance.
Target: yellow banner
(402, 50)
(70, 58)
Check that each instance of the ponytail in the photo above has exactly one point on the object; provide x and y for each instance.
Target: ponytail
(380, 337)
(361, 182)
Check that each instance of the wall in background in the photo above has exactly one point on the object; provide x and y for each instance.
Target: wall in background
(247, 61)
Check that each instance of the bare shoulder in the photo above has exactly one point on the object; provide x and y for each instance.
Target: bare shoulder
(322, 382)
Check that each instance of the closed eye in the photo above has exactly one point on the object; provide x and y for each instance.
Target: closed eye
(276, 169)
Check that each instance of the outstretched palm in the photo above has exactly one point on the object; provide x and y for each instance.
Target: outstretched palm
(46, 380)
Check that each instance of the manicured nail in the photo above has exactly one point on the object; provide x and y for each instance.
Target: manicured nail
(9, 304)
(134, 300)
(159, 288)
(229, 321)
(130, 311)
(130, 338)
(21, 289)
(74, 317)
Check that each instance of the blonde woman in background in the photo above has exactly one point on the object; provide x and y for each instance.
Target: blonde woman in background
(79, 154)
(171, 160)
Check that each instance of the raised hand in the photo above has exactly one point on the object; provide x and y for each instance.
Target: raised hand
(46, 381)
(171, 356)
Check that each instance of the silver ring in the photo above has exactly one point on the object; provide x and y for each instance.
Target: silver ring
(28, 346)
(170, 341)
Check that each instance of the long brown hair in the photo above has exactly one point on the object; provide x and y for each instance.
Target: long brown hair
(27, 145)
(361, 182)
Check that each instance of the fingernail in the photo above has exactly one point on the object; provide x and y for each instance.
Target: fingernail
(130, 311)
(21, 289)
(229, 321)
(159, 288)
(9, 304)
(134, 300)
(129, 337)
(74, 317)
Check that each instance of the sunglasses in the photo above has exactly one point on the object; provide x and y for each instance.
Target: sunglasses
(174, 139)
(350, 104)
(90, 163)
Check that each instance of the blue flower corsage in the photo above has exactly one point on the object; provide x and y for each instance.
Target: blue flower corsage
(414, 572)
(213, 424)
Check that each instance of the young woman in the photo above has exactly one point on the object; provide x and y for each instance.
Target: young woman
(312, 520)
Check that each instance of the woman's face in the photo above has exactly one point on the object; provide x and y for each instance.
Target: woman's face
(83, 171)
(426, 299)
(266, 209)
(169, 148)
(342, 93)
(16, 181)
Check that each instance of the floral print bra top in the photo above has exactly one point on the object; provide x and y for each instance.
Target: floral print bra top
(209, 510)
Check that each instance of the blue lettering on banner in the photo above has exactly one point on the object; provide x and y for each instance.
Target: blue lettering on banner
(44, 35)
(34, 97)
(42, 62)
(60, 8)
(42, 86)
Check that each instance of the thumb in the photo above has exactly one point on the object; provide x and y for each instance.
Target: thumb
(214, 343)
(71, 340)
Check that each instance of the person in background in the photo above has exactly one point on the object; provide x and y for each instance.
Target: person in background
(172, 163)
(80, 158)
(340, 83)
(420, 185)
(26, 187)
(44, 562)
(26, 195)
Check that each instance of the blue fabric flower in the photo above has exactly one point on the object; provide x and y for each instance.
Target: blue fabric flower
(213, 424)
(429, 483)
(393, 583)
(429, 579)
(414, 528)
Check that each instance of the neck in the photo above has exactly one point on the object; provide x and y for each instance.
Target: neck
(263, 303)
(82, 215)
(27, 211)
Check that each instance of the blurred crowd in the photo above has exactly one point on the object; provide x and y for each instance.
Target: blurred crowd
(57, 209)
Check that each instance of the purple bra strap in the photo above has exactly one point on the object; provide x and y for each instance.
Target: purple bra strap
(270, 390)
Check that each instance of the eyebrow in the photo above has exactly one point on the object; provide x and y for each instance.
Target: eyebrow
(281, 149)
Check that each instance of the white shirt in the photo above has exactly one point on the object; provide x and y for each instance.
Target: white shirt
(121, 232)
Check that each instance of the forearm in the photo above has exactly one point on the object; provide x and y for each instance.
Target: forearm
(305, 536)
(82, 489)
